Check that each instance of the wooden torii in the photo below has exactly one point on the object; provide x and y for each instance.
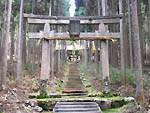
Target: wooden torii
(47, 34)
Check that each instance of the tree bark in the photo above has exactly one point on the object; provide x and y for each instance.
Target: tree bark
(12, 40)
(130, 35)
(52, 57)
(33, 54)
(122, 50)
(90, 51)
(96, 56)
(114, 49)
(3, 29)
(137, 50)
(85, 55)
(5, 49)
(24, 54)
(0, 45)
(148, 35)
(19, 57)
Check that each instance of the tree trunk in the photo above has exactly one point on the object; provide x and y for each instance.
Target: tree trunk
(83, 57)
(24, 54)
(33, 6)
(137, 50)
(33, 54)
(96, 56)
(122, 50)
(114, 49)
(148, 35)
(52, 56)
(90, 51)
(130, 35)
(63, 43)
(12, 40)
(0, 44)
(5, 49)
(19, 57)
(3, 29)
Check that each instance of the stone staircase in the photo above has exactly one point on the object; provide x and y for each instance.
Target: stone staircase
(74, 86)
(77, 107)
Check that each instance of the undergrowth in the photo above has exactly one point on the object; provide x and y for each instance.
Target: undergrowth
(115, 77)
(86, 75)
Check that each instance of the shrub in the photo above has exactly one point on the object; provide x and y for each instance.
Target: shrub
(115, 75)
(146, 80)
(130, 77)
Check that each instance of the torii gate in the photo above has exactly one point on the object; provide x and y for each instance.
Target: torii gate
(47, 34)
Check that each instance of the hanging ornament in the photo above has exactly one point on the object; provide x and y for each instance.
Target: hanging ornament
(93, 47)
(74, 46)
(57, 45)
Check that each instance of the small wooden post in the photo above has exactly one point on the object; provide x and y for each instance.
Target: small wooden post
(45, 64)
(104, 54)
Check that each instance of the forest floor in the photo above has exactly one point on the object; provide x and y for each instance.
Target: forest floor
(14, 99)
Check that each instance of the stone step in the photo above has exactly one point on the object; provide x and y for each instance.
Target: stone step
(76, 103)
(76, 107)
(74, 94)
(74, 91)
(74, 85)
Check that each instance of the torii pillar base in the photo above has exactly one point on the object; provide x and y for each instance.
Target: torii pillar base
(105, 66)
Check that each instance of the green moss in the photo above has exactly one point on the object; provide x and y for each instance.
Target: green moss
(109, 98)
(115, 110)
(111, 110)
(95, 93)
(46, 99)
(66, 73)
(86, 98)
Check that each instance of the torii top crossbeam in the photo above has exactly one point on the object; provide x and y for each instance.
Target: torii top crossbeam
(101, 34)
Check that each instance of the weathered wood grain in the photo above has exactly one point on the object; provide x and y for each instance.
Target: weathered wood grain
(66, 36)
(68, 18)
(43, 21)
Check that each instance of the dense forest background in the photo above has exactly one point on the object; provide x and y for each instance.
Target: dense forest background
(83, 8)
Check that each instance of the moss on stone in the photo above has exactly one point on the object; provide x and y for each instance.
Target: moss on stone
(111, 110)
(84, 98)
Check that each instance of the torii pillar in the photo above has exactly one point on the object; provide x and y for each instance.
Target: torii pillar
(104, 58)
(45, 63)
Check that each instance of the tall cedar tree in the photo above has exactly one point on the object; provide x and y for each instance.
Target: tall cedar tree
(5, 49)
(137, 49)
(19, 60)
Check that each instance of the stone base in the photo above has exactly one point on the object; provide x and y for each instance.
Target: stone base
(43, 87)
